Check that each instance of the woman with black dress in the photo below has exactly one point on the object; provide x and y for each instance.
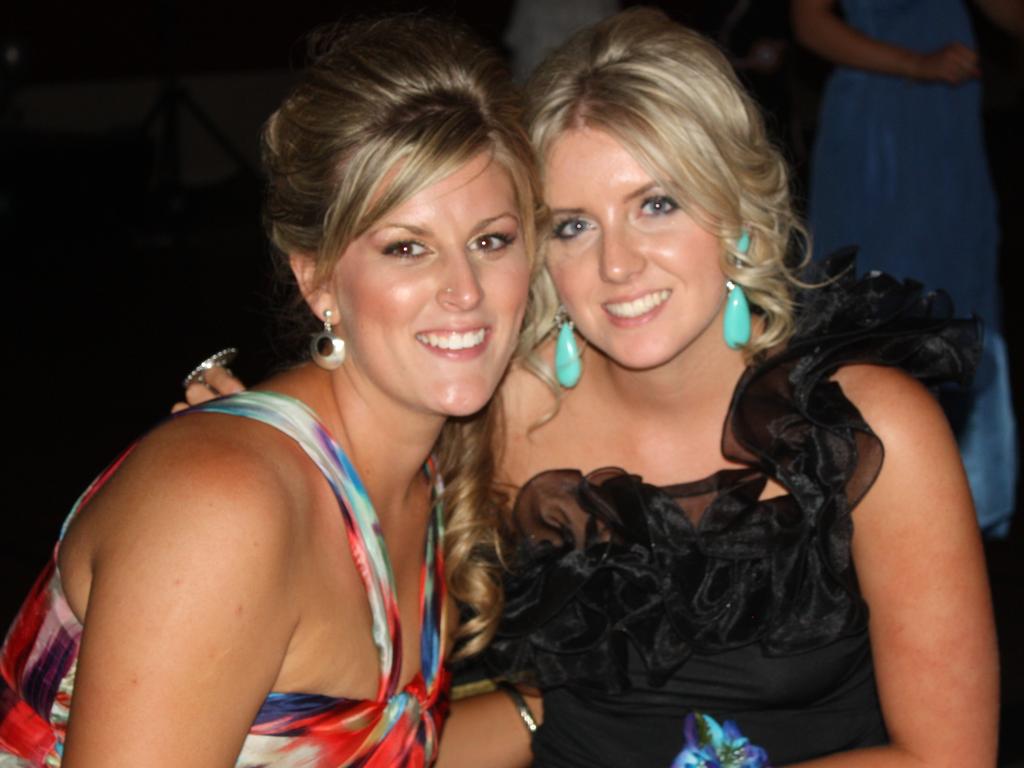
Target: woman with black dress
(754, 558)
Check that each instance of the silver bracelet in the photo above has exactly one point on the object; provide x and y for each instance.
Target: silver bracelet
(522, 708)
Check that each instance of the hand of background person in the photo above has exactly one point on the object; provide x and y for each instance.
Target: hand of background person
(954, 63)
(219, 381)
(818, 27)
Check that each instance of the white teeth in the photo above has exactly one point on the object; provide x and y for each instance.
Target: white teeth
(640, 306)
(453, 340)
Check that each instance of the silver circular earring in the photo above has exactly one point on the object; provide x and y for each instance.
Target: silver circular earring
(326, 349)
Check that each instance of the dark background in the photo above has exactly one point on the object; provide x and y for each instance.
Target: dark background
(132, 245)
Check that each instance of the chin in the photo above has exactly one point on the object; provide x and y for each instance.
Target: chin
(643, 359)
(463, 410)
(462, 400)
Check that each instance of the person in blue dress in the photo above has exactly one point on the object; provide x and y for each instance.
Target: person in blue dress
(899, 169)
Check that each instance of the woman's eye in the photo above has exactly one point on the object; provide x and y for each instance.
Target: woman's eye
(570, 228)
(494, 241)
(659, 206)
(405, 249)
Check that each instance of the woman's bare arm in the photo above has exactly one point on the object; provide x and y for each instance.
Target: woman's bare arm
(921, 569)
(486, 730)
(187, 617)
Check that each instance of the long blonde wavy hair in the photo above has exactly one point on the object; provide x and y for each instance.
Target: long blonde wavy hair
(419, 99)
(673, 100)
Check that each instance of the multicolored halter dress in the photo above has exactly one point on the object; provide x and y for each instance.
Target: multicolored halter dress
(398, 727)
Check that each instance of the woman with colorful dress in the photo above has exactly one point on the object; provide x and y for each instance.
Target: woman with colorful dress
(262, 580)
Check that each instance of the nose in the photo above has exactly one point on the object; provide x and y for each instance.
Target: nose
(620, 259)
(460, 286)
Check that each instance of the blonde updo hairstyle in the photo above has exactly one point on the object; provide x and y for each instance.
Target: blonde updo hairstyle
(674, 102)
(385, 109)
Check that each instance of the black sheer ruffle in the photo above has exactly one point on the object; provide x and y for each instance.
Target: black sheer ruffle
(605, 559)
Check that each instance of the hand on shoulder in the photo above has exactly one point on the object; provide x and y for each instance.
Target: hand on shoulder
(215, 382)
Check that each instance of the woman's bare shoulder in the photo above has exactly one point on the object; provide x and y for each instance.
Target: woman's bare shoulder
(921, 476)
(895, 405)
(182, 569)
(921, 569)
(200, 488)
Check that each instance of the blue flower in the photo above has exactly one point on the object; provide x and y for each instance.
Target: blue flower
(710, 745)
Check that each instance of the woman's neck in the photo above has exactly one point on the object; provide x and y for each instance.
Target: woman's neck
(700, 377)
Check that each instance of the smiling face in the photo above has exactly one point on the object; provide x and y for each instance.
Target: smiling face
(639, 277)
(431, 298)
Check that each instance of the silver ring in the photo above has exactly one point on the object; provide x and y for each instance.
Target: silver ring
(221, 359)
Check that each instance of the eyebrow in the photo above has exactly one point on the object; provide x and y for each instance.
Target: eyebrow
(484, 223)
(641, 191)
(638, 192)
(407, 227)
(422, 232)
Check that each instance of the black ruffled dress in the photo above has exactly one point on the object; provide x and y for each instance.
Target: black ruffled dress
(631, 605)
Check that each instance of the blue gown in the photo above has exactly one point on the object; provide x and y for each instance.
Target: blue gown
(900, 169)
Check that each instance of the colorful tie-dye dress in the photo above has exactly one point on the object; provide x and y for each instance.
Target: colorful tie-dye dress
(399, 727)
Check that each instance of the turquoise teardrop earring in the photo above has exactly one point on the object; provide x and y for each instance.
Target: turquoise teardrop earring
(736, 323)
(567, 354)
